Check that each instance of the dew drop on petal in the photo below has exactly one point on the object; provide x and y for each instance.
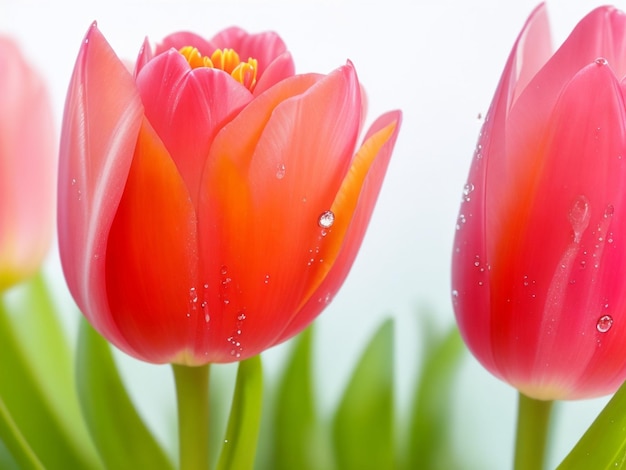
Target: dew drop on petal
(467, 190)
(609, 211)
(601, 61)
(326, 219)
(604, 323)
(280, 171)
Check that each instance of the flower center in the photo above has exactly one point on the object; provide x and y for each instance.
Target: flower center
(226, 60)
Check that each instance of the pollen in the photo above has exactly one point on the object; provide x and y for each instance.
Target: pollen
(245, 72)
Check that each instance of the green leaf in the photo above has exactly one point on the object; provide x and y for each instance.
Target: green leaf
(123, 440)
(36, 384)
(239, 449)
(429, 444)
(296, 439)
(603, 446)
(15, 443)
(363, 425)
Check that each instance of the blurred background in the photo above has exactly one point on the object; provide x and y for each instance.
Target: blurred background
(437, 61)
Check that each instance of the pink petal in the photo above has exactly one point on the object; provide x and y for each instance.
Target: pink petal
(28, 152)
(187, 108)
(264, 47)
(282, 67)
(182, 39)
(103, 113)
(473, 311)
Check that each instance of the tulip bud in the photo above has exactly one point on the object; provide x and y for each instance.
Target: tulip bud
(539, 262)
(27, 167)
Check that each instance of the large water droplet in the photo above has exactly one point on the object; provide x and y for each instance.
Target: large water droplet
(326, 220)
(604, 324)
(579, 216)
(601, 61)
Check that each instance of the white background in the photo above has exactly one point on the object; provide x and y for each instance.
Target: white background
(439, 62)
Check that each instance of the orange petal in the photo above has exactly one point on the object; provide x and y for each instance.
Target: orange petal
(353, 207)
(152, 259)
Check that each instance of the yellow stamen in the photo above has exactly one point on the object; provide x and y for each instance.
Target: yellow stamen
(226, 60)
(194, 57)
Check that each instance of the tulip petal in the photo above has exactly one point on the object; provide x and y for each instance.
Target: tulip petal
(187, 107)
(264, 47)
(491, 168)
(182, 39)
(152, 262)
(277, 71)
(353, 207)
(101, 122)
(27, 165)
(574, 193)
(265, 215)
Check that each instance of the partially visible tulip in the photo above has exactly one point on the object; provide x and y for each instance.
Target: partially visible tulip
(28, 155)
(211, 203)
(539, 263)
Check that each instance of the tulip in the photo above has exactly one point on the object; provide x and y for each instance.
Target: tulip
(211, 202)
(27, 167)
(539, 262)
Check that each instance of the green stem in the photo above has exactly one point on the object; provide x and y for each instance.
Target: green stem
(533, 418)
(239, 449)
(192, 396)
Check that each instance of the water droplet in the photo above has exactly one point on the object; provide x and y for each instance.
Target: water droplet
(460, 221)
(193, 295)
(241, 316)
(601, 61)
(223, 270)
(267, 279)
(280, 171)
(207, 317)
(609, 211)
(604, 324)
(579, 216)
(467, 190)
(206, 286)
(455, 293)
(326, 219)
(73, 181)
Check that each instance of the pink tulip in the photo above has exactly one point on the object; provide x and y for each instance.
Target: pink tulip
(208, 212)
(27, 167)
(539, 263)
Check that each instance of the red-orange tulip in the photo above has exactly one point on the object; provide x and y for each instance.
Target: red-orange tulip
(211, 204)
(27, 167)
(539, 269)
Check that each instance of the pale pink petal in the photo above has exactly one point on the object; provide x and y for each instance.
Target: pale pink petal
(103, 113)
(28, 150)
